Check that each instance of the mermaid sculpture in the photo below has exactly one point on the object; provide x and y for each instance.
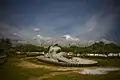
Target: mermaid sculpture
(55, 56)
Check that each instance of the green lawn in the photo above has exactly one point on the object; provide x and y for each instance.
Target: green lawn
(108, 62)
(9, 71)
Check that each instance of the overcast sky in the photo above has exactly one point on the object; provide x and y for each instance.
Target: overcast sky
(88, 19)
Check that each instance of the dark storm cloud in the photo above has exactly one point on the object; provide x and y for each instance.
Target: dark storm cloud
(108, 23)
(91, 19)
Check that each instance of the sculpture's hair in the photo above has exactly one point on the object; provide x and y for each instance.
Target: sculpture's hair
(56, 45)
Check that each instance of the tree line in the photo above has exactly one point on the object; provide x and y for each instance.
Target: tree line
(100, 47)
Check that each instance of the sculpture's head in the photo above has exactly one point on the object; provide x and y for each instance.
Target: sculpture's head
(56, 45)
(55, 49)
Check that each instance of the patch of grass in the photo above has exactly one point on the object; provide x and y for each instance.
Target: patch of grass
(9, 71)
(108, 62)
